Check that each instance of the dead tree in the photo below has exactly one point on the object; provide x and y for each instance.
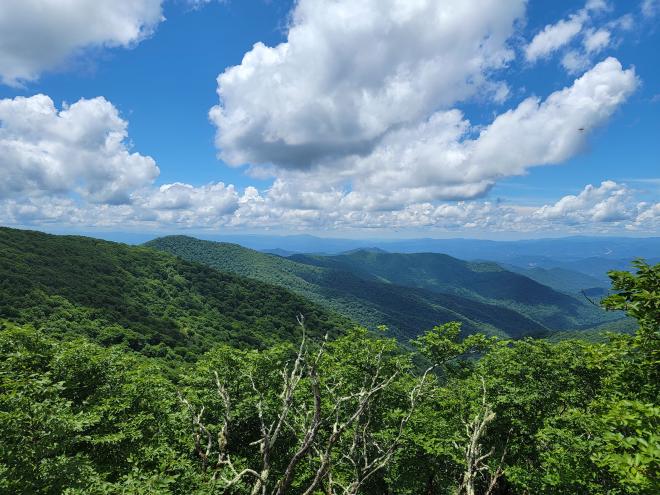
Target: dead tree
(319, 432)
(475, 458)
(366, 455)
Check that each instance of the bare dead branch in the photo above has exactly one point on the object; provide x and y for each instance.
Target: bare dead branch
(475, 460)
(310, 436)
(303, 419)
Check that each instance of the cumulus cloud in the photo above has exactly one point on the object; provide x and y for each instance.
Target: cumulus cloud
(74, 166)
(445, 157)
(575, 61)
(177, 205)
(609, 202)
(553, 37)
(596, 40)
(179, 196)
(82, 147)
(186, 205)
(355, 119)
(607, 208)
(581, 25)
(547, 132)
(40, 35)
(359, 110)
(352, 71)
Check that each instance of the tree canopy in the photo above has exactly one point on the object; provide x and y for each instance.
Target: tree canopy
(356, 414)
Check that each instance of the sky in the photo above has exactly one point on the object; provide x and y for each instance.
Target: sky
(351, 118)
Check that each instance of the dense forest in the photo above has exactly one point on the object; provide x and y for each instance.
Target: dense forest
(152, 302)
(406, 292)
(126, 370)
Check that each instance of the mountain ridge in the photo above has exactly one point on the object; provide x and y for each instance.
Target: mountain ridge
(144, 298)
(370, 299)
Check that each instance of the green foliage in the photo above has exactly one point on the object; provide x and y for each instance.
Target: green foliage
(74, 414)
(638, 295)
(443, 344)
(80, 418)
(444, 347)
(102, 412)
(150, 301)
(570, 417)
(630, 445)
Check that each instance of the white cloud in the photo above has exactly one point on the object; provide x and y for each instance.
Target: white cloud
(597, 5)
(179, 196)
(352, 71)
(40, 35)
(547, 132)
(356, 109)
(574, 61)
(82, 148)
(196, 4)
(596, 40)
(553, 37)
(74, 166)
(650, 8)
(355, 119)
(442, 159)
(609, 202)
(608, 208)
(625, 23)
(561, 36)
(188, 206)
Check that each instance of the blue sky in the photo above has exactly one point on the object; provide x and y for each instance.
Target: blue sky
(343, 169)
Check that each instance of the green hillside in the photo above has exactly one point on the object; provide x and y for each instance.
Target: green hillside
(80, 418)
(561, 279)
(349, 287)
(149, 300)
(598, 333)
(483, 281)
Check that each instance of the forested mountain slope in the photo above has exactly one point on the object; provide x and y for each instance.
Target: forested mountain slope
(153, 301)
(442, 273)
(482, 281)
(80, 418)
(561, 279)
(408, 297)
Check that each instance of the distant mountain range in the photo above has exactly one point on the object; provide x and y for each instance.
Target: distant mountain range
(181, 295)
(551, 262)
(563, 279)
(407, 292)
(586, 255)
(560, 248)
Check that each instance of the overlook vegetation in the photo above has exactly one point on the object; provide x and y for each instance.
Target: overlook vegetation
(85, 407)
(407, 292)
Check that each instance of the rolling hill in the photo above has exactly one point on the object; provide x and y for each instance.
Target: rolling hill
(409, 293)
(152, 301)
(553, 249)
(483, 281)
(561, 279)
